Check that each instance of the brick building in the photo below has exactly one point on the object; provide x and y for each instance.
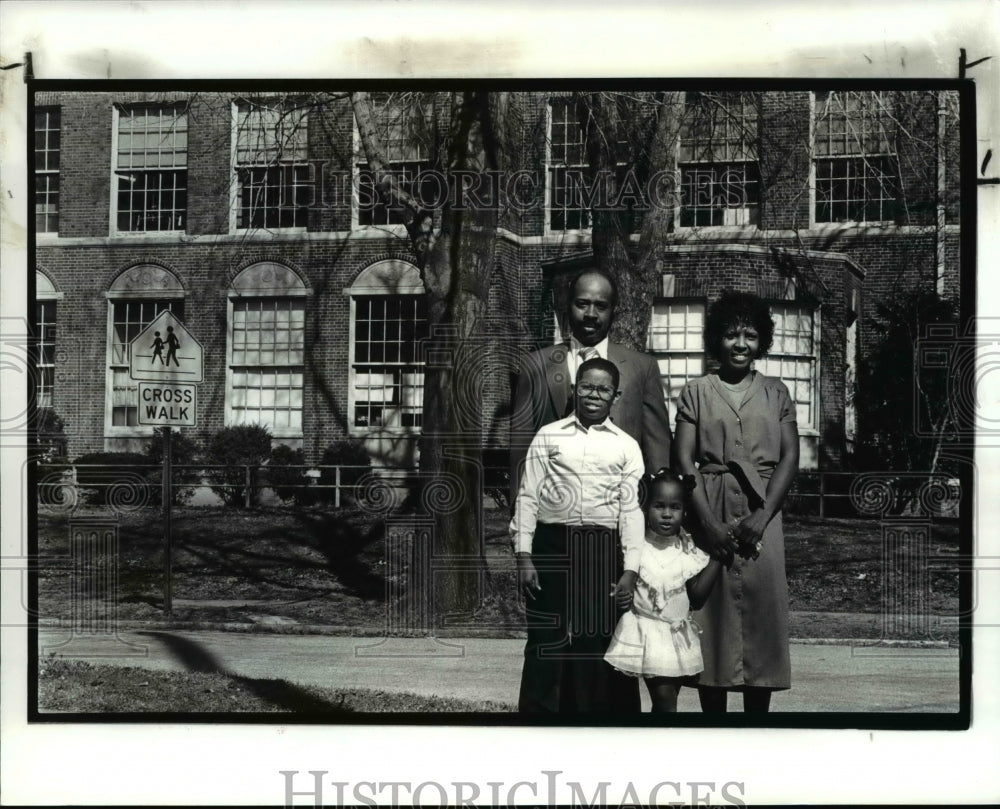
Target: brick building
(253, 220)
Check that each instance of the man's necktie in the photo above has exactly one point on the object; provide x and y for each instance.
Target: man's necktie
(584, 354)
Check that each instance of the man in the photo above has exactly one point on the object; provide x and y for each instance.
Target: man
(543, 387)
(576, 527)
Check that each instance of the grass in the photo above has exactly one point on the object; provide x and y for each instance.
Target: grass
(342, 568)
(78, 687)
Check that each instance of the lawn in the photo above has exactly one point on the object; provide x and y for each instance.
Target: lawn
(78, 687)
(346, 568)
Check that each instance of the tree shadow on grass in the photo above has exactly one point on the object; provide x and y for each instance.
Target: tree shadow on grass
(312, 551)
(281, 693)
(344, 544)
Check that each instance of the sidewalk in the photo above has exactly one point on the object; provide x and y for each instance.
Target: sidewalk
(827, 677)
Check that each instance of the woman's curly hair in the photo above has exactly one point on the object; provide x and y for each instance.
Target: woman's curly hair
(738, 309)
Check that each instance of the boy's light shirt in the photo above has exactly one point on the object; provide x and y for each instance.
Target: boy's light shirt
(576, 476)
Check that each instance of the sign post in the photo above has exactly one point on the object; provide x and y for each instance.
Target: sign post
(168, 363)
(168, 602)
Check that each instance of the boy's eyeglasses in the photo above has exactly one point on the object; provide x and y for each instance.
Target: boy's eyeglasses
(603, 391)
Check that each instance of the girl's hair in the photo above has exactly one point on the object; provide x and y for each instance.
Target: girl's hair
(738, 309)
(686, 482)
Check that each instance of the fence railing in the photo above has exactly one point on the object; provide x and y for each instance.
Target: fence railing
(233, 483)
(873, 495)
(822, 494)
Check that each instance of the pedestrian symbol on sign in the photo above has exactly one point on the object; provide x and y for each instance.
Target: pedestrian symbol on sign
(165, 351)
(157, 347)
(172, 345)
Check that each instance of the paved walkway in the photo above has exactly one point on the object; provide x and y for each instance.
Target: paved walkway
(826, 677)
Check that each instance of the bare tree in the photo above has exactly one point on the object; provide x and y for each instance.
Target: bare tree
(628, 139)
(454, 249)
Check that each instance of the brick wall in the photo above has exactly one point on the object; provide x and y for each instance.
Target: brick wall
(85, 164)
(210, 177)
(784, 160)
(205, 260)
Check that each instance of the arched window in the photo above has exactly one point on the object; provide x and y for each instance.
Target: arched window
(388, 325)
(266, 351)
(135, 298)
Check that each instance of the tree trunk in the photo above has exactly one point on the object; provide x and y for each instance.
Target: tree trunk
(636, 268)
(456, 266)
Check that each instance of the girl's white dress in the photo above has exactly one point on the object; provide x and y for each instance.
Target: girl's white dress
(657, 637)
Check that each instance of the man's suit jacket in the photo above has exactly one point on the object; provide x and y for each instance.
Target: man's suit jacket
(543, 391)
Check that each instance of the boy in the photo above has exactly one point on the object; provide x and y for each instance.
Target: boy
(578, 494)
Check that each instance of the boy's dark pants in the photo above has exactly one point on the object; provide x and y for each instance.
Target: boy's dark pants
(570, 624)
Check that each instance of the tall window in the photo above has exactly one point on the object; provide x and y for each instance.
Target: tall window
(571, 187)
(47, 143)
(403, 126)
(720, 176)
(267, 338)
(567, 165)
(388, 327)
(675, 339)
(128, 318)
(267, 363)
(151, 167)
(388, 365)
(45, 319)
(793, 358)
(856, 166)
(274, 181)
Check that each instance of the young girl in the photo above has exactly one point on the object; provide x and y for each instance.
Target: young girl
(656, 639)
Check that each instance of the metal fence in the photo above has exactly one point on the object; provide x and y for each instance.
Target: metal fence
(234, 484)
(821, 494)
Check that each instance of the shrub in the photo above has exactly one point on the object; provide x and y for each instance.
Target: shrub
(347, 452)
(98, 472)
(239, 446)
(51, 436)
(287, 478)
(184, 451)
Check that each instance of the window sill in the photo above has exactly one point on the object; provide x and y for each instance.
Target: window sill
(254, 231)
(149, 234)
(363, 231)
(384, 432)
(854, 224)
(718, 229)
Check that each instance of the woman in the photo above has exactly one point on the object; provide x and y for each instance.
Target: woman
(736, 434)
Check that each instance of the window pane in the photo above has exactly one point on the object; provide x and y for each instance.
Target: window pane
(267, 356)
(792, 358)
(152, 163)
(388, 361)
(45, 319)
(855, 167)
(274, 188)
(720, 194)
(675, 339)
(46, 148)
